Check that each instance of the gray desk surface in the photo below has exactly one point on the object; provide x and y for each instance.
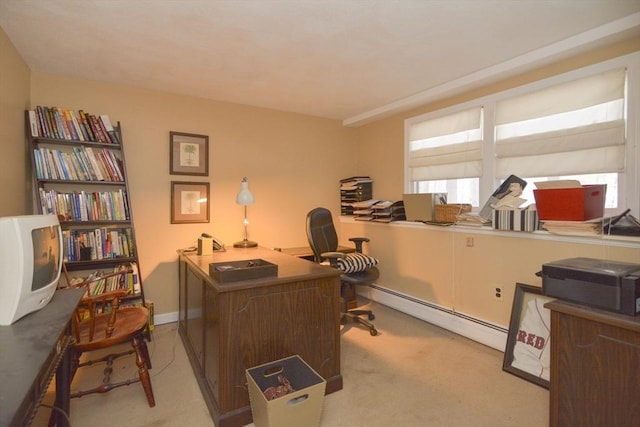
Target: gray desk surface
(27, 348)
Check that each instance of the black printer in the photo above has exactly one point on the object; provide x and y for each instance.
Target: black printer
(609, 285)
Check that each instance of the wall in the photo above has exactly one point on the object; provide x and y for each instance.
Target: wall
(285, 157)
(434, 264)
(14, 99)
(291, 161)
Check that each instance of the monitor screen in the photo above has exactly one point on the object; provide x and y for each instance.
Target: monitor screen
(46, 256)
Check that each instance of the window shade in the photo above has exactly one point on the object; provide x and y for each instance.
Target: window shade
(572, 128)
(446, 147)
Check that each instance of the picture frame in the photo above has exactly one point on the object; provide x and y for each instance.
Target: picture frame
(189, 202)
(528, 349)
(189, 154)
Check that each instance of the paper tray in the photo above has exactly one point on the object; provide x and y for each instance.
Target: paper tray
(233, 271)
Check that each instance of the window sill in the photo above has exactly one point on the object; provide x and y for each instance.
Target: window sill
(609, 240)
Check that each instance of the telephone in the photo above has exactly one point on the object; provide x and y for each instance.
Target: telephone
(207, 244)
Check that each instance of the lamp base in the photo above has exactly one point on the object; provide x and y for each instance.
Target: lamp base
(245, 244)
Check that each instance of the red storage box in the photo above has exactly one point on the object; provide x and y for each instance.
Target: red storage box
(570, 204)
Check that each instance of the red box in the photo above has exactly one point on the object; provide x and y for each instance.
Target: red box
(570, 204)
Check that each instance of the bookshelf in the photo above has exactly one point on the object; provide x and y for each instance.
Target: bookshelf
(79, 174)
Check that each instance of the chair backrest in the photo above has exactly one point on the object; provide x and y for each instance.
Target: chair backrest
(103, 295)
(321, 232)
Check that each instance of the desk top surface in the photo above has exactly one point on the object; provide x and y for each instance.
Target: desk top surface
(290, 268)
(27, 345)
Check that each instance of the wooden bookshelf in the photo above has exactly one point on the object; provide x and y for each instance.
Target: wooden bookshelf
(79, 174)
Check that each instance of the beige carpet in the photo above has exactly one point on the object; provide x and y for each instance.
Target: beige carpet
(411, 374)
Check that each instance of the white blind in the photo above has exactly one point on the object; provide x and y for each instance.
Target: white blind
(446, 147)
(572, 128)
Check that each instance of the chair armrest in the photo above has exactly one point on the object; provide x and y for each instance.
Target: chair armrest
(358, 242)
(333, 256)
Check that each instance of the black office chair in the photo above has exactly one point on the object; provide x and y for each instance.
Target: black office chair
(358, 268)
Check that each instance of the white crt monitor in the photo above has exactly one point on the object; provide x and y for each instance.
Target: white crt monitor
(30, 264)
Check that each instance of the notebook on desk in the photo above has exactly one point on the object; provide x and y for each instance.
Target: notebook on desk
(421, 207)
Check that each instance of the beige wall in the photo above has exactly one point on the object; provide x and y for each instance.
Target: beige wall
(433, 264)
(293, 162)
(14, 99)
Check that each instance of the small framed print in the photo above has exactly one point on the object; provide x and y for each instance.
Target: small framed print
(189, 202)
(189, 154)
(528, 350)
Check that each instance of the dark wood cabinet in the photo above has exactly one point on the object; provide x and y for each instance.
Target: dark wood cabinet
(230, 327)
(595, 367)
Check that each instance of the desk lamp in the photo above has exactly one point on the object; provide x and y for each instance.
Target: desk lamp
(245, 198)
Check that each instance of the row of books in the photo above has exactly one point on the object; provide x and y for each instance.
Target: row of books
(98, 244)
(86, 206)
(123, 276)
(81, 164)
(63, 123)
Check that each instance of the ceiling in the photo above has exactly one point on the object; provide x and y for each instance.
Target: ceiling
(352, 60)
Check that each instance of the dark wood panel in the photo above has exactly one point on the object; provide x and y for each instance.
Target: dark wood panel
(595, 368)
(233, 327)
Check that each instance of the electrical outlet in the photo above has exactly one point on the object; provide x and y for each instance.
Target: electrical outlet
(469, 242)
(498, 293)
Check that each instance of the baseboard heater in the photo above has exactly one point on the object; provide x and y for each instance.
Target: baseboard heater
(470, 327)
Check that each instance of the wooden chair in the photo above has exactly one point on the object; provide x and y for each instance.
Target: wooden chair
(101, 322)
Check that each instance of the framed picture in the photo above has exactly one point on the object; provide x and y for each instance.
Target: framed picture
(189, 202)
(528, 350)
(189, 154)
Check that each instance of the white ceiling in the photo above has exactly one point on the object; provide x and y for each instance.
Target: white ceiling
(351, 60)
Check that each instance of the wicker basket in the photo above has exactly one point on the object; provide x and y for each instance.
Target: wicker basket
(450, 212)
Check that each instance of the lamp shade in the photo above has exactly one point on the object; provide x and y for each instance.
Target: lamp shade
(245, 197)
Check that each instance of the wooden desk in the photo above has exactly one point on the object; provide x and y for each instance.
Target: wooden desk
(228, 328)
(32, 350)
(595, 367)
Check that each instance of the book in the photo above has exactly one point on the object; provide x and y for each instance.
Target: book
(110, 130)
(33, 124)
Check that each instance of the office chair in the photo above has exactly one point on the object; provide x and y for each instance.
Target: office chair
(358, 268)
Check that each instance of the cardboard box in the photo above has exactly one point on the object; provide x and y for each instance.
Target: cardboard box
(422, 206)
(580, 203)
(300, 408)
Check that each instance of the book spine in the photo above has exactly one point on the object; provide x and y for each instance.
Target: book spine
(84, 121)
(46, 132)
(33, 124)
(103, 131)
(108, 126)
(97, 131)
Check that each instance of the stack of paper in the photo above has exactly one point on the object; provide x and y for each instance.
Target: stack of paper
(574, 228)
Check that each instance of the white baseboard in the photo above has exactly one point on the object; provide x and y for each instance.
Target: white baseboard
(161, 319)
(478, 330)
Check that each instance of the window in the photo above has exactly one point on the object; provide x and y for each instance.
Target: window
(445, 154)
(581, 125)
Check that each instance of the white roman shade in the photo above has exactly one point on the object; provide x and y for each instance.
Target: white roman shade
(446, 147)
(568, 129)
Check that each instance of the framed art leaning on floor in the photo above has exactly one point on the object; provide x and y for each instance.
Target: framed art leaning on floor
(528, 349)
